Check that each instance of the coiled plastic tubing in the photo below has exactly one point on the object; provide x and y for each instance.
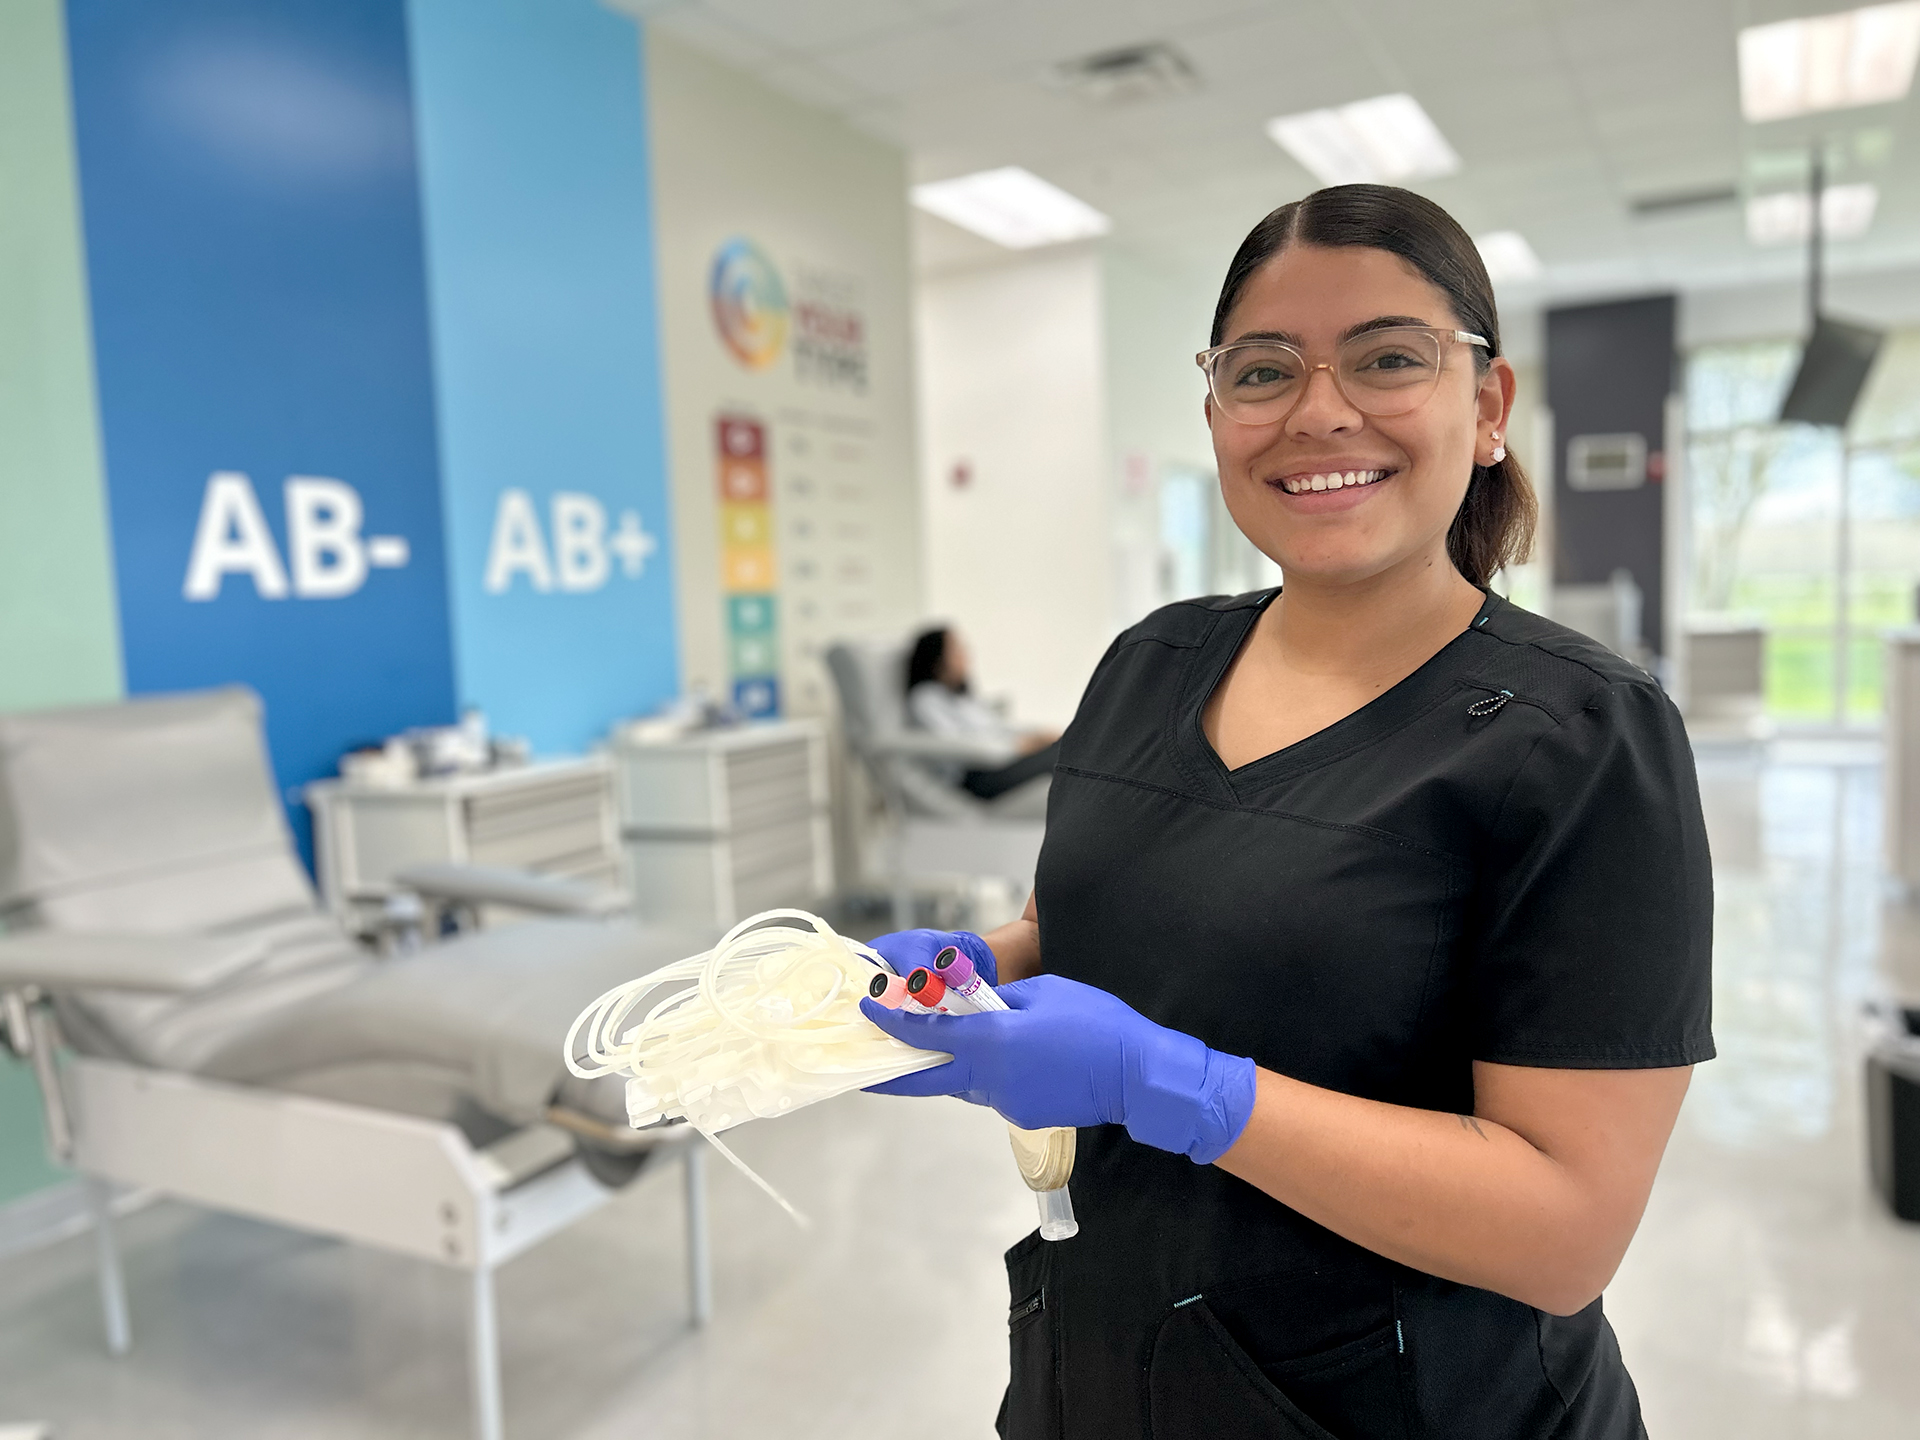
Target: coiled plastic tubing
(766, 1022)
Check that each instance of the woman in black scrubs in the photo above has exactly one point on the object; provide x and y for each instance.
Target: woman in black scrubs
(1371, 938)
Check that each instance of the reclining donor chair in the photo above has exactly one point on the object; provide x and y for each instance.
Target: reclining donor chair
(935, 829)
(199, 1027)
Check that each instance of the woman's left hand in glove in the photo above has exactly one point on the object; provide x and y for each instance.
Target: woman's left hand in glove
(1064, 1053)
(910, 950)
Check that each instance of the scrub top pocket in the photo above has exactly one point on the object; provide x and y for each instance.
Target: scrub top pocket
(1201, 1383)
(1356, 1387)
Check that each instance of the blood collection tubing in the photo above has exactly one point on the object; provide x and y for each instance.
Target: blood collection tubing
(1045, 1157)
(765, 1022)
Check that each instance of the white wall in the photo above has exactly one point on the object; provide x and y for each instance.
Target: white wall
(1013, 386)
(1064, 381)
(1767, 312)
(1157, 320)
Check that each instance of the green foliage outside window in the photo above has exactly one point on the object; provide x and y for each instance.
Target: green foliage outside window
(1766, 505)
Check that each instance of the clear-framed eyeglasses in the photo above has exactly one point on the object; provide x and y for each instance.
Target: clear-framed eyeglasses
(1388, 371)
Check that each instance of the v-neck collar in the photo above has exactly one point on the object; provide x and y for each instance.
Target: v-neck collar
(1393, 707)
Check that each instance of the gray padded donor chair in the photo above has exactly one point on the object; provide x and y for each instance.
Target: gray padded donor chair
(201, 1028)
(936, 830)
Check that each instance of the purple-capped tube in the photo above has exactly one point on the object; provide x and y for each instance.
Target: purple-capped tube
(953, 966)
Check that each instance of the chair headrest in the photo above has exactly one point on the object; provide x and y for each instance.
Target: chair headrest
(869, 677)
(116, 797)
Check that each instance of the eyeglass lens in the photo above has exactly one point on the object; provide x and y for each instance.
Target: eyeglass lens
(1381, 372)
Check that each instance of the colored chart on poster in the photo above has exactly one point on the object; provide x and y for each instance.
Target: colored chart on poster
(749, 566)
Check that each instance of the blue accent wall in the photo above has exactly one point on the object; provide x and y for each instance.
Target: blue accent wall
(252, 223)
(540, 240)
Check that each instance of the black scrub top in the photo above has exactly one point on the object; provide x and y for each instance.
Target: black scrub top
(1501, 858)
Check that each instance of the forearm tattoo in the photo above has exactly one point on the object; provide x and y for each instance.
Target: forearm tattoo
(1467, 1122)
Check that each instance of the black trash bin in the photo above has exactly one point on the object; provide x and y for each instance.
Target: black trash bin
(1893, 1109)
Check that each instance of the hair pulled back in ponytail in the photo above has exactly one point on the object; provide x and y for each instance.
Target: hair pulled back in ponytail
(1495, 523)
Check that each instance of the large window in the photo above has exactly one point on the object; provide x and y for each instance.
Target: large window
(1813, 533)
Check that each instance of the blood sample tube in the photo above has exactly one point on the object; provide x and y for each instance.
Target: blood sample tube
(889, 990)
(953, 966)
(928, 989)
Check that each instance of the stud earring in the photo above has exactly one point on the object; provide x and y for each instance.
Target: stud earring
(1499, 454)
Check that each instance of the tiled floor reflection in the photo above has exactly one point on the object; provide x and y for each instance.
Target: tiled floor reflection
(247, 1332)
(1768, 1293)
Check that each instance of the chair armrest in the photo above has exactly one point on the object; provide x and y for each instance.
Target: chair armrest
(97, 960)
(493, 885)
(980, 753)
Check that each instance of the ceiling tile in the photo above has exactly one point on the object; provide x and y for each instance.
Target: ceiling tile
(934, 57)
(717, 36)
(1562, 111)
(808, 83)
(808, 25)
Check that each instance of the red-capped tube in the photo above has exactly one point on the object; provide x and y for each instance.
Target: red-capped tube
(926, 987)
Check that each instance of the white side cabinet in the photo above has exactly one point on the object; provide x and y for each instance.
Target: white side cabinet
(1726, 680)
(725, 823)
(553, 817)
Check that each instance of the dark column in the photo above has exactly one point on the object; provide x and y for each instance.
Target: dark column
(1610, 369)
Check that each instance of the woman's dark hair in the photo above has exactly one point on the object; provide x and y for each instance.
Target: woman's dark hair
(1495, 524)
(923, 661)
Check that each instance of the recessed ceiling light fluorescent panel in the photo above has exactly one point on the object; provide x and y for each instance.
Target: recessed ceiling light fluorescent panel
(1507, 256)
(1829, 62)
(1011, 207)
(1782, 218)
(1385, 140)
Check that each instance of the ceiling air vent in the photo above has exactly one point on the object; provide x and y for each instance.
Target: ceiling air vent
(1681, 202)
(1128, 76)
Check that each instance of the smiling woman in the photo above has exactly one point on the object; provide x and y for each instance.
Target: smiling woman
(1408, 246)
(1371, 937)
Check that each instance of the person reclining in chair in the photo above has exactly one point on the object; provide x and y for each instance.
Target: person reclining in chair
(940, 701)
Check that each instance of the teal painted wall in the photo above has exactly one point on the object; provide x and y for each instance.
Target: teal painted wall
(59, 642)
(58, 638)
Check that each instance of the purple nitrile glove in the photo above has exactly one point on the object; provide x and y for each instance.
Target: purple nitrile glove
(909, 950)
(1064, 1053)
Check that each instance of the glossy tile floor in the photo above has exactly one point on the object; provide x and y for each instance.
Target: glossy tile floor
(243, 1330)
(1767, 1295)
